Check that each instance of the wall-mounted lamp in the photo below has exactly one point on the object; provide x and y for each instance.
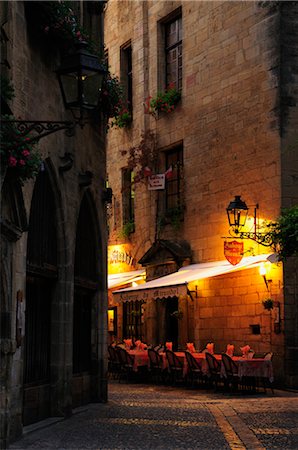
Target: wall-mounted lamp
(237, 214)
(195, 292)
(263, 273)
(80, 78)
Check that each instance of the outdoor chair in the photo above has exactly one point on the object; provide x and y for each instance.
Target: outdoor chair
(194, 368)
(213, 369)
(231, 372)
(114, 364)
(156, 365)
(126, 361)
(175, 367)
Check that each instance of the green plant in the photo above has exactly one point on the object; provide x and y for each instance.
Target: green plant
(284, 233)
(127, 229)
(59, 21)
(122, 117)
(268, 303)
(172, 216)
(164, 101)
(7, 89)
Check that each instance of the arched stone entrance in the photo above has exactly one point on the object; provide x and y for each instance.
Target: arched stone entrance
(41, 279)
(85, 308)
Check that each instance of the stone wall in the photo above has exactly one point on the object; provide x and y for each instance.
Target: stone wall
(37, 97)
(289, 164)
(229, 121)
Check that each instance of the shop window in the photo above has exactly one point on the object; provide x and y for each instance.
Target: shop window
(133, 320)
(128, 197)
(173, 51)
(126, 72)
(174, 180)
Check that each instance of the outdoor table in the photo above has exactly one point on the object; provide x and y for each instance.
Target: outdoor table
(256, 367)
(141, 358)
(180, 355)
(201, 359)
(253, 367)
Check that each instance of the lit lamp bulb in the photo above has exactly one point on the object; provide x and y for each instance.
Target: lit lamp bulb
(263, 270)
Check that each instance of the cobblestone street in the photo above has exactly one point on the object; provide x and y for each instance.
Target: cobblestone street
(141, 416)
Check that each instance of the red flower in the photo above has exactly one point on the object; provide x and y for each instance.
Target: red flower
(22, 162)
(12, 161)
(25, 153)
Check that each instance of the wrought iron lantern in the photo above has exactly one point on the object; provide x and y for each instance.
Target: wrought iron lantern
(80, 78)
(237, 212)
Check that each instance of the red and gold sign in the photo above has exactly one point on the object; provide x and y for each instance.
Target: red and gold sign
(233, 251)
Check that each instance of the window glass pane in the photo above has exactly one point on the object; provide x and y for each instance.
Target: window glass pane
(174, 192)
(173, 46)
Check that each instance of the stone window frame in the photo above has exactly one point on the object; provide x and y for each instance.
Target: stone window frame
(126, 72)
(128, 196)
(163, 24)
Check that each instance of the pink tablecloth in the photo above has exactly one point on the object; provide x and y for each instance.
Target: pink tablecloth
(141, 358)
(201, 359)
(258, 367)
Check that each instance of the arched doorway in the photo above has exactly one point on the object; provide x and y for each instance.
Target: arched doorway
(40, 283)
(84, 309)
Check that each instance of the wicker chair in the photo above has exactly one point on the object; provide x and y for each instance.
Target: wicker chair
(194, 368)
(126, 362)
(175, 367)
(156, 365)
(114, 364)
(213, 369)
(231, 372)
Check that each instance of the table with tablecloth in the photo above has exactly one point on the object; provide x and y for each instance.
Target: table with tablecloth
(140, 358)
(256, 367)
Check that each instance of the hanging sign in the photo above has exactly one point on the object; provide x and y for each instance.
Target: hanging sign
(233, 251)
(156, 182)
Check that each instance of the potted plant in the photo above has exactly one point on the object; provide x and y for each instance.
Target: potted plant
(122, 117)
(163, 101)
(268, 303)
(19, 157)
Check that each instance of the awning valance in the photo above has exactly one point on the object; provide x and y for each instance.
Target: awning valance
(176, 283)
(119, 279)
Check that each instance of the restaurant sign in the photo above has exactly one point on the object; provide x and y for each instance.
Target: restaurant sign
(153, 293)
(233, 251)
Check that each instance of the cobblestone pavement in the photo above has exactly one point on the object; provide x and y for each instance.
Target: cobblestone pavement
(141, 416)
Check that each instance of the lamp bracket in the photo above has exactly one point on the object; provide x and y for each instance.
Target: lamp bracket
(192, 292)
(39, 128)
(261, 238)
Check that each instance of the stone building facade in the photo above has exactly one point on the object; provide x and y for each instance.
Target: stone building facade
(234, 132)
(53, 240)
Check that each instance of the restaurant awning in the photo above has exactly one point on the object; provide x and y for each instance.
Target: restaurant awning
(119, 279)
(176, 283)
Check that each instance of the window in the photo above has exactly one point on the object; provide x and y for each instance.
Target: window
(174, 186)
(126, 72)
(173, 50)
(133, 320)
(128, 196)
